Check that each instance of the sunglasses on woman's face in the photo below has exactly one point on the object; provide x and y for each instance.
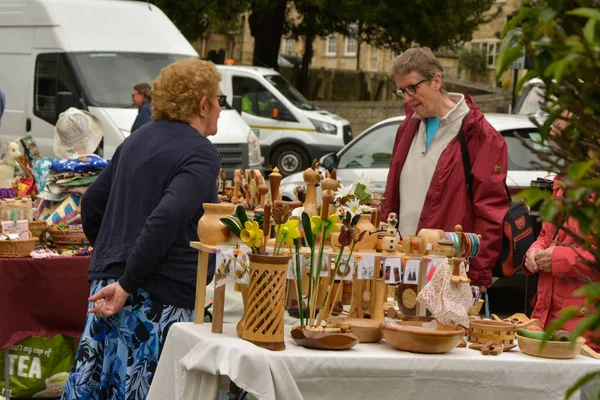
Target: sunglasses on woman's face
(222, 100)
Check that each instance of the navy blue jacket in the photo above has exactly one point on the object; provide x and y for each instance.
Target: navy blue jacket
(144, 116)
(142, 211)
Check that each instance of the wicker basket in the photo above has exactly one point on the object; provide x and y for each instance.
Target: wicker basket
(480, 331)
(16, 248)
(36, 228)
(65, 238)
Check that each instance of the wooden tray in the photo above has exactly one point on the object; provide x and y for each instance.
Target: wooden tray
(519, 320)
(404, 335)
(367, 329)
(324, 340)
(560, 350)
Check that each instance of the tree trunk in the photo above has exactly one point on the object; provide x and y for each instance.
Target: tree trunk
(267, 27)
(358, 41)
(306, 58)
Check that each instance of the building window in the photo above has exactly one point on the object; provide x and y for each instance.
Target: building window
(288, 46)
(350, 42)
(331, 45)
(491, 48)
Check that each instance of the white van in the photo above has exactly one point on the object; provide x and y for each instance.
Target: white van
(88, 54)
(291, 131)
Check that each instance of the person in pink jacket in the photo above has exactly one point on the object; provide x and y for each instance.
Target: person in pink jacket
(561, 267)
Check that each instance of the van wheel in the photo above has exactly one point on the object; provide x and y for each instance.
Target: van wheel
(290, 159)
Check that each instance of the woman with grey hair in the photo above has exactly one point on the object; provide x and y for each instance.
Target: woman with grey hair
(427, 185)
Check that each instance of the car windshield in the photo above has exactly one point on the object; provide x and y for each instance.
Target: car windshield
(530, 101)
(290, 92)
(521, 158)
(109, 77)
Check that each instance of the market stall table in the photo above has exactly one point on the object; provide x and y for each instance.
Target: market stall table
(194, 360)
(42, 297)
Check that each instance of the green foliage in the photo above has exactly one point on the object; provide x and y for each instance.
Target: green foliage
(473, 59)
(193, 17)
(563, 40)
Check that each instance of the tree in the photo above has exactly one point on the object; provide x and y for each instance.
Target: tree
(193, 17)
(266, 26)
(563, 40)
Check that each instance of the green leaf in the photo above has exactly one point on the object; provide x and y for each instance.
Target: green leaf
(507, 57)
(579, 384)
(361, 193)
(533, 195)
(548, 210)
(558, 68)
(310, 237)
(240, 213)
(585, 325)
(579, 170)
(590, 13)
(589, 31)
(532, 73)
(566, 314)
(546, 15)
(233, 223)
(591, 290)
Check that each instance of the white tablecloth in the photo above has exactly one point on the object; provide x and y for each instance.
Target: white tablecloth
(193, 360)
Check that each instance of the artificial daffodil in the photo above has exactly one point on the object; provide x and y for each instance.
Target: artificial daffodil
(252, 235)
(316, 224)
(288, 232)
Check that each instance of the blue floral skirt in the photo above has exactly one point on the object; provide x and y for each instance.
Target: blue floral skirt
(117, 356)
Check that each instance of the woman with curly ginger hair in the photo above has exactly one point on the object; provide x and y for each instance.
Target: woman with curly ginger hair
(140, 215)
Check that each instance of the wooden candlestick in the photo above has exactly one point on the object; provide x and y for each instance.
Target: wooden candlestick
(274, 182)
(312, 177)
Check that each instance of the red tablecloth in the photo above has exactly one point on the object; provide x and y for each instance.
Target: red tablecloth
(42, 297)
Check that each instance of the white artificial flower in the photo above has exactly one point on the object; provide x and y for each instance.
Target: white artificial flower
(354, 207)
(344, 191)
(363, 179)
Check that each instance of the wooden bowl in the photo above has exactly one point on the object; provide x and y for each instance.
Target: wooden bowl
(552, 349)
(404, 335)
(323, 340)
(367, 329)
(476, 309)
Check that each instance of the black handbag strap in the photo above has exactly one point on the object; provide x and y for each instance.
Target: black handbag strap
(466, 160)
(467, 164)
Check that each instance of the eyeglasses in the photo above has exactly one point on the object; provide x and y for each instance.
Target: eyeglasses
(222, 100)
(410, 90)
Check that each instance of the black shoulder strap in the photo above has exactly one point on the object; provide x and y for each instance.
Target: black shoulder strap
(466, 160)
(467, 164)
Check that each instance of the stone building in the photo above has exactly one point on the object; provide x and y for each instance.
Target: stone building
(337, 52)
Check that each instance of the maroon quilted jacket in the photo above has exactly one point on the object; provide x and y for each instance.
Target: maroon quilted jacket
(447, 202)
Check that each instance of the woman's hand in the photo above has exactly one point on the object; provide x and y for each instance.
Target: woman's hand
(530, 260)
(544, 259)
(109, 300)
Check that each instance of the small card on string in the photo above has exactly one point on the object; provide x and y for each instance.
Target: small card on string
(366, 265)
(392, 269)
(411, 271)
(346, 269)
